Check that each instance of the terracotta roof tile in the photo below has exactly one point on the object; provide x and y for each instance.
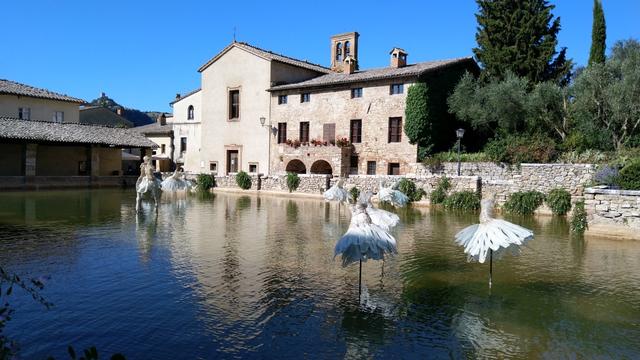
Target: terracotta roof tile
(11, 128)
(14, 88)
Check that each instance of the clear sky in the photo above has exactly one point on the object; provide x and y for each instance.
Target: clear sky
(141, 53)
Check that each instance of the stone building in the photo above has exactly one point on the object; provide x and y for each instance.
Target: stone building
(361, 110)
(43, 144)
(263, 112)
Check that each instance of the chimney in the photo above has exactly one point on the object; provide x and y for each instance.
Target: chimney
(350, 65)
(398, 57)
(120, 111)
(178, 96)
(162, 119)
(343, 45)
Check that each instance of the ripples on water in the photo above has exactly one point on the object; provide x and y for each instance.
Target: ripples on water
(247, 277)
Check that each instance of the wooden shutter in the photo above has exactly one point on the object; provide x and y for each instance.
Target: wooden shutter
(329, 132)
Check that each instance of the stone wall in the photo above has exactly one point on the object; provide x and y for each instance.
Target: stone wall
(613, 212)
(428, 183)
(503, 180)
(309, 184)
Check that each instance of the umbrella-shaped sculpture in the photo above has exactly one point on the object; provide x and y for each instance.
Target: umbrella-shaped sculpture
(364, 239)
(392, 195)
(492, 236)
(337, 193)
(176, 182)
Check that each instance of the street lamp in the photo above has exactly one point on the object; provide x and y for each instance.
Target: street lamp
(262, 120)
(459, 135)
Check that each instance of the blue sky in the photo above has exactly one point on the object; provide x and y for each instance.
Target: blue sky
(141, 53)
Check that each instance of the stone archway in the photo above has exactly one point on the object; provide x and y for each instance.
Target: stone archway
(296, 166)
(321, 167)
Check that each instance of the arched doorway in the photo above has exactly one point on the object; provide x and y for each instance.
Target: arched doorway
(296, 166)
(321, 167)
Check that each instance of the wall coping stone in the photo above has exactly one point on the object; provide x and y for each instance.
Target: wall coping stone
(612, 192)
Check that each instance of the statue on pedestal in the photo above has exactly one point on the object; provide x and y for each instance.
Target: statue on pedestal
(147, 183)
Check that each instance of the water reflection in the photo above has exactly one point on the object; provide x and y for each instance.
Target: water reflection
(246, 276)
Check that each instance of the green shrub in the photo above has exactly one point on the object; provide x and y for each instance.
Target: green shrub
(452, 156)
(559, 200)
(433, 163)
(524, 202)
(410, 189)
(629, 176)
(462, 200)
(439, 194)
(354, 192)
(243, 180)
(205, 182)
(521, 149)
(293, 180)
(579, 219)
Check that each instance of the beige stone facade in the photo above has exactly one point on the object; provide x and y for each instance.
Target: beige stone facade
(336, 106)
(39, 109)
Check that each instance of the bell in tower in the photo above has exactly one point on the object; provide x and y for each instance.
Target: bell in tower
(343, 46)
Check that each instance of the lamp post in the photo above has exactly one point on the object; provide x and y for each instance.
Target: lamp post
(459, 135)
(263, 120)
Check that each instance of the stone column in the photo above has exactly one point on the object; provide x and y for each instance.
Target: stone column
(95, 160)
(31, 152)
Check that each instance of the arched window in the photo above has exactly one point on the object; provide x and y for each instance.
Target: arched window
(347, 48)
(339, 51)
(190, 113)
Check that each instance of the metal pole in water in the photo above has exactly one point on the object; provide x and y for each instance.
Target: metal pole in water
(360, 282)
(490, 267)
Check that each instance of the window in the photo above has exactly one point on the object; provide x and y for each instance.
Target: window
(282, 99)
(356, 131)
(183, 144)
(24, 113)
(58, 116)
(253, 167)
(190, 113)
(394, 169)
(163, 148)
(395, 129)
(213, 166)
(353, 165)
(356, 93)
(282, 133)
(339, 51)
(329, 133)
(396, 89)
(371, 167)
(234, 104)
(304, 131)
(347, 49)
(306, 97)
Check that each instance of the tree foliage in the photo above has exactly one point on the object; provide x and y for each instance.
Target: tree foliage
(598, 35)
(520, 37)
(417, 125)
(606, 106)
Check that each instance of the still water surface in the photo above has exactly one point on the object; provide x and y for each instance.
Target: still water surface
(232, 276)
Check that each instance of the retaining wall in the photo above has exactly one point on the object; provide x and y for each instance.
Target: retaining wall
(613, 212)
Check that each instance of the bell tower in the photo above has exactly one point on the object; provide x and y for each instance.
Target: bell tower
(342, 46)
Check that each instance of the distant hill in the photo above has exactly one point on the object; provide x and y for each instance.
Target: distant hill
(137, 117)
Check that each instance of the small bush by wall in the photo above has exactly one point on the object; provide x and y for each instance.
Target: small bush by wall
(559, 200)
(629, 177)
(462, 200)
(205, 182)
(439, 194)
(293, 181)
(354, 192)
(243, 180)
(524, 202)
(579, 219)
(606, 175)
(409, 188)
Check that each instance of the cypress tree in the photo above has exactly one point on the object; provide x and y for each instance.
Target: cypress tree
(520, 37)
(417, 125)
(598, 35)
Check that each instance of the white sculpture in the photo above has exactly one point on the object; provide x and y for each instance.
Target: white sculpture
(147, 183)
(176, 182)
(337, 192)
(392, 195)
(492, 236)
